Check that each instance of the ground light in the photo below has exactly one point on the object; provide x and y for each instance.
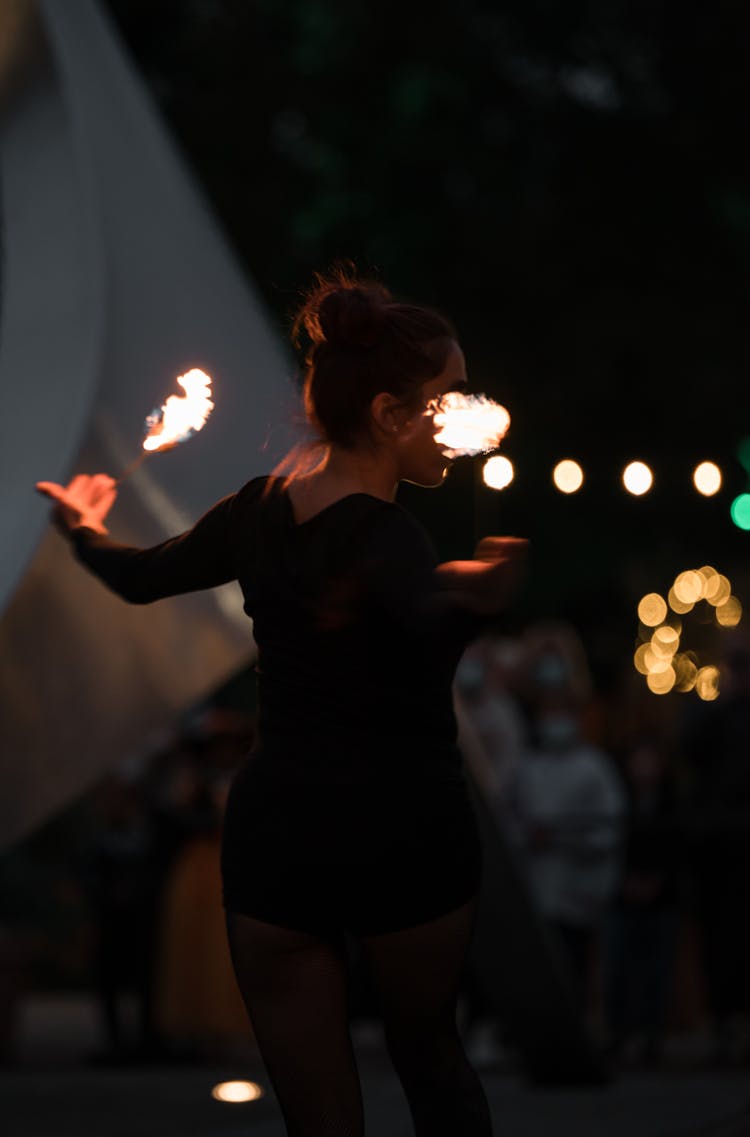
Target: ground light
(237, 1091)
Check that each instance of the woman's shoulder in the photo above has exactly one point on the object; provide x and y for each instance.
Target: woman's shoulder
(254, 490)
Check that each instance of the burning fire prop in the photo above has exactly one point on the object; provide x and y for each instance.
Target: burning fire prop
(468, 424)
(178, 418)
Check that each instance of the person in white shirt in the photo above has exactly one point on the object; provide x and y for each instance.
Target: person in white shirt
(567, 813)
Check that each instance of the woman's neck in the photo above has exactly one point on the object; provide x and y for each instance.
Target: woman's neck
(355, 471)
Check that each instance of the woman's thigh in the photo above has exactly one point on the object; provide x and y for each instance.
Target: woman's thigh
(417, 971)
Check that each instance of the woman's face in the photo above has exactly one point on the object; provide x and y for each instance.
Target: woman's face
(421, 459)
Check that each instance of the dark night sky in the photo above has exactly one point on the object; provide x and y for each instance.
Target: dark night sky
(569, 182)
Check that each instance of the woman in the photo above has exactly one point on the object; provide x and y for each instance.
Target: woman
(352, 810)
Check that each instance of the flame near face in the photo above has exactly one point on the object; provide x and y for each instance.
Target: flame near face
(468, 424)
(182, 415)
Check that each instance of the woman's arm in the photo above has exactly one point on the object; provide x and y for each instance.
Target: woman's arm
(402, 572)
(205, 556)
(486, 584)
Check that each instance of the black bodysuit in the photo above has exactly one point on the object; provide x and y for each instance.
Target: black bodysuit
(352, 810)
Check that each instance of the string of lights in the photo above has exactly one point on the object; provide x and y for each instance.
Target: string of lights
(637, 479)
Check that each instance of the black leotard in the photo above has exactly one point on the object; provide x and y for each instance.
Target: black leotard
(357, 649)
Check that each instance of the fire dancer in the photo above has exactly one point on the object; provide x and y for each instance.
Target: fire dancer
(352, 813)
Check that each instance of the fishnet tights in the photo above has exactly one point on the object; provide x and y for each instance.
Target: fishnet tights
(295, 990)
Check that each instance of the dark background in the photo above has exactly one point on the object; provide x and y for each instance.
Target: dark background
(569, 182)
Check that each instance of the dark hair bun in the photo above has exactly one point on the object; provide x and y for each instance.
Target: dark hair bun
(353, 316)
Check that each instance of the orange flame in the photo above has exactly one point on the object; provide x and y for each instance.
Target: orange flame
(468, 424)
(182, 415)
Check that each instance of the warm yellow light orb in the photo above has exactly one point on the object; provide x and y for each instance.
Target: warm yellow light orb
(655, 664)
(677, 605)
(707, 683)
(689, 587)
(639, 659)
(661, 682)
(652, 609)
(707, 478)
(567, 476)
(637, 478)
(498, 472)
(686, 672)
(718, 590)
(236, 1091)
(729, 613)
(707, 574)
(664, 642)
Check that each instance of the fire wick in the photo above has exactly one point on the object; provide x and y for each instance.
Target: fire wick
(132, 467)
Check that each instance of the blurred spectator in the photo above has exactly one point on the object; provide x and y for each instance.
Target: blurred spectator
(150, 875)
(716, 745)
(552, 665)
(485, 684)
(199, 1005)
(567, 801)
(123, 894)
(640, 940)
(488, 706)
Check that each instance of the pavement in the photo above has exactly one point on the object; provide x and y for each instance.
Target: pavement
(54, 1088)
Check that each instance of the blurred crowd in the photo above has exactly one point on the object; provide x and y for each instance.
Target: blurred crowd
(630, 832)
(136, 892)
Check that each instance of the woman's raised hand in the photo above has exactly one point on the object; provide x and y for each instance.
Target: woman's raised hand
(83, 503)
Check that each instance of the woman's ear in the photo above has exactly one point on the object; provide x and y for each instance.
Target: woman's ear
(389, 416)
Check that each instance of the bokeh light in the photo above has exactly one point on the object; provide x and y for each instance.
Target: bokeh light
(689, 587)
(567, 476)
(729, 613)
(237, 1091)
(652, 609)
(678, 605)
(709, 573)
(661, 682)
(498, 472)
(637, 478)
(686, 671)
(707, 683)
(658, 655)
(707, 478)
(740, 511)
(743, 453)
(718, 590)
(664, 642)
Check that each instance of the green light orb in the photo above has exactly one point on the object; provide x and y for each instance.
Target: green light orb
(743, 453)
(740, 511)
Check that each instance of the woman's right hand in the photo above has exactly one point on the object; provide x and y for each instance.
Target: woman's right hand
(83, 503)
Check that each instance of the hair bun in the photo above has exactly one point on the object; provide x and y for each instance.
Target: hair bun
(353, 316)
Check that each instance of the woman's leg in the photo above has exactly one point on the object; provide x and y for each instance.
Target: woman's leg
(295, 989)
(417, 975)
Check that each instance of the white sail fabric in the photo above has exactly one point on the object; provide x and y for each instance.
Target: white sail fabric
(115, 279)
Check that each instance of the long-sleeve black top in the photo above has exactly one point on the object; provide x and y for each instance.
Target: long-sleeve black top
(357, 646)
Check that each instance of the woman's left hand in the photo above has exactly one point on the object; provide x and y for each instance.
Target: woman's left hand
(83, 503)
